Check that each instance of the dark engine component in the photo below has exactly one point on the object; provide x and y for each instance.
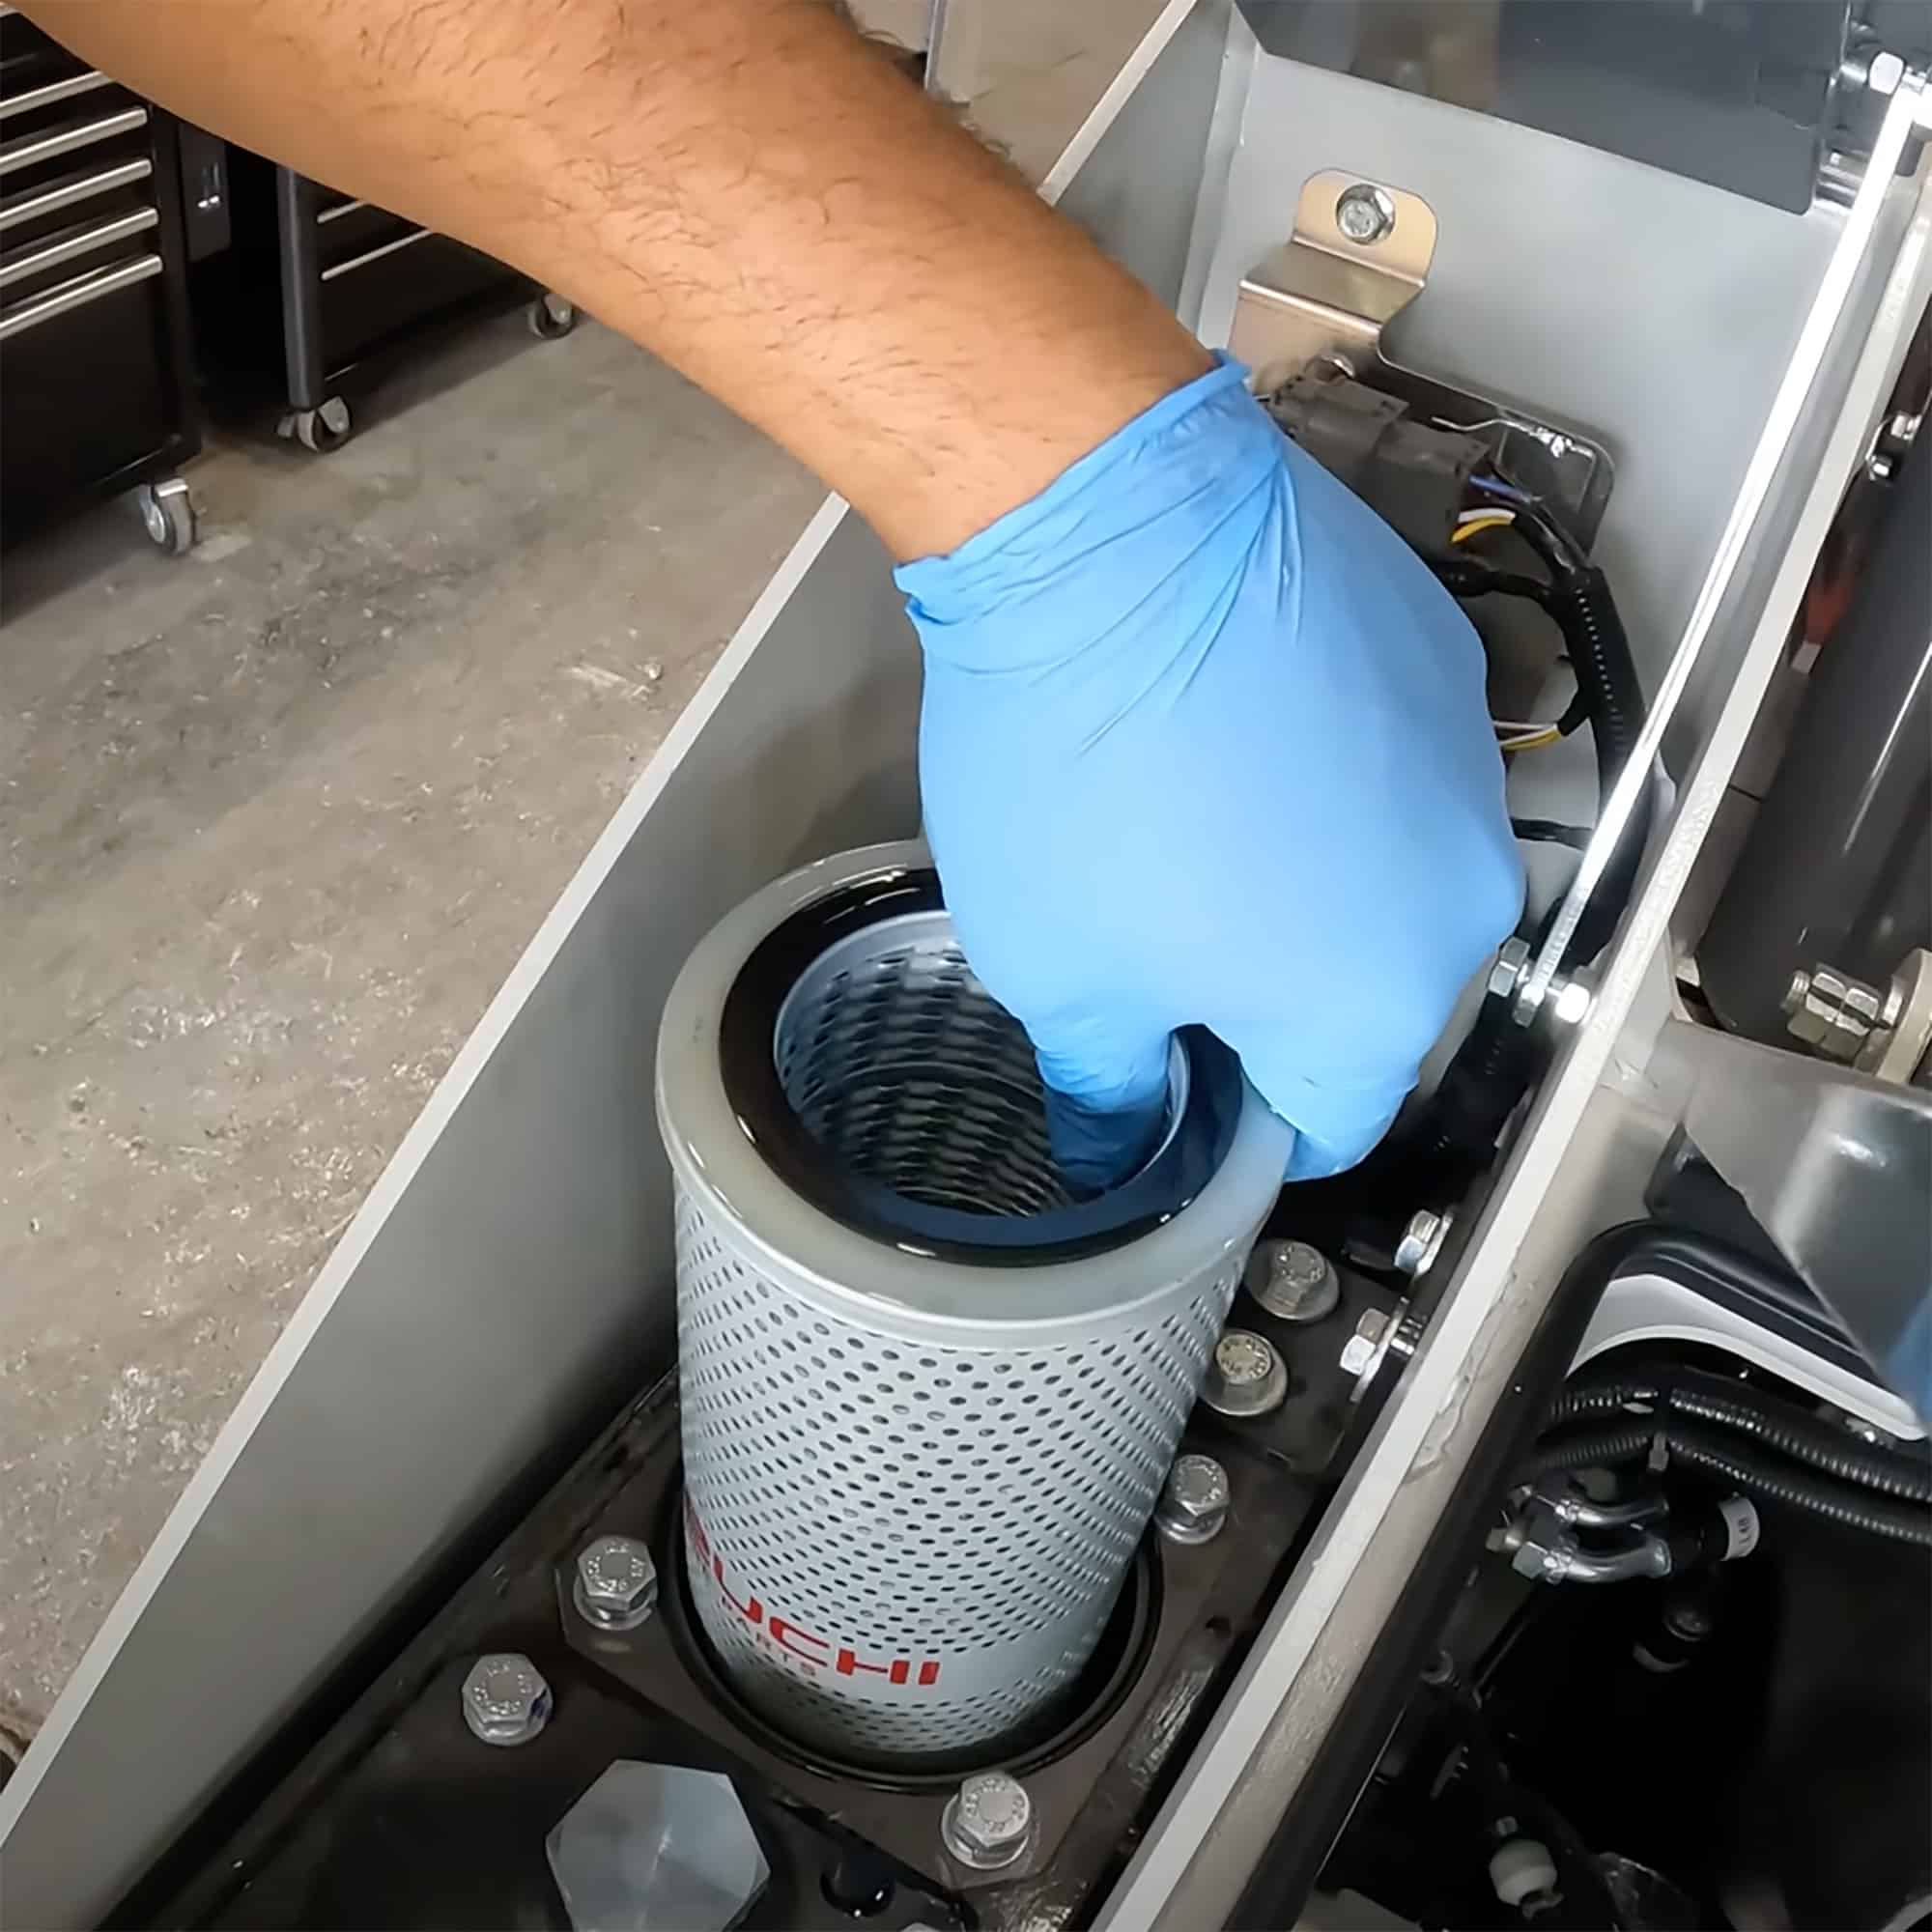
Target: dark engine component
(1838, 867)
(1413, 476)
(1721, 1714)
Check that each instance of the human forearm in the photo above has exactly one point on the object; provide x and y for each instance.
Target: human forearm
(745, 186)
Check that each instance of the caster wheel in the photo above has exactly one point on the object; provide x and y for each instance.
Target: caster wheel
(551, 317)
(168, 514)
(319, 429)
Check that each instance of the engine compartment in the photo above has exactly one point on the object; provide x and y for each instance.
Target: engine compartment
(1258, 1724)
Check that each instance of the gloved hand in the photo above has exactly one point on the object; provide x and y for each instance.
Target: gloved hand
(1204, 742)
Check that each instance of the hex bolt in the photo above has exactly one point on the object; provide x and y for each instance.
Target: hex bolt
(505, 1700)
(1364, 213)
(616, 1586)
(987, 1823)
(1293, 1281)
(1194, 1504)
(1510, 968)
(1883, 72)
(1362, 1353)
(1245, 1376)
(1421, 1241)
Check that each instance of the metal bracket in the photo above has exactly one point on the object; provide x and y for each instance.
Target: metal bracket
(1326, 293)
(1358, 255)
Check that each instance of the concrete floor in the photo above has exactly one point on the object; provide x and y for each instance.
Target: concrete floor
(276, 820)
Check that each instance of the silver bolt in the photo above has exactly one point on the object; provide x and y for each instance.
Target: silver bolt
(1421, 1241)
(616, 1585)
(1194, 1504)
(1884, 71)
(1364, 213)
(1364, 1350)
(1245, 1376)
(1903, 429)
(505, 1700)
(987, 1823)
(1879, 467)
(1292, 1280)
(1511, 966)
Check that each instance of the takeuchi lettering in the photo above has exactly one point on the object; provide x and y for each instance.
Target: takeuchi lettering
(794, 1640)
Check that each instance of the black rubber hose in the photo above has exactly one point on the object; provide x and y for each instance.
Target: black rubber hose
(1741, 1410)
(1586, 613)
(1697, 1447)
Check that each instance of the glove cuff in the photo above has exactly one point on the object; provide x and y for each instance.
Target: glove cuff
(1102, 538)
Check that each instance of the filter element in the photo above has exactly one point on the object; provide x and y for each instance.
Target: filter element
(929, 1395)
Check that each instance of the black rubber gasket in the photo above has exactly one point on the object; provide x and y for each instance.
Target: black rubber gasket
(748, 1027)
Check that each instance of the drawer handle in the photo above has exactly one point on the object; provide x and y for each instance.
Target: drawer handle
(66, 249)
(340, 209)
(39, 201)
(376, 254)
(54, 90)
(77, 293)
(23, 153)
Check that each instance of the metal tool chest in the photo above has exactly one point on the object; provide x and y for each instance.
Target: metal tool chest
(98, 396)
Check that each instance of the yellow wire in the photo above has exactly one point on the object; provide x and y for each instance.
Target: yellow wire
(1529, 741)
(1493, 520)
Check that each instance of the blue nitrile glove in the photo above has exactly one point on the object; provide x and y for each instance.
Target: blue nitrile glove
(1204, 742)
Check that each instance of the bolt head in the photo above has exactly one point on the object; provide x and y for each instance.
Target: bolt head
(616, 1582)
(989, 1822)
(1293, 1281)
(1885, 71)
(1512, 963)
(1363, 1349)
(505, 1700)
(1421, 1241)
(1197, 1487)
(1364, 213)
(1245, 1376)
(1243, 1358)
(1194, 1502)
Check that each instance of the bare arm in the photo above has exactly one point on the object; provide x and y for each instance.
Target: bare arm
(745, 186)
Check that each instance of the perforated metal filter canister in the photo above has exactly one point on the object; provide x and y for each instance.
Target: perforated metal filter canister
(929, 1397)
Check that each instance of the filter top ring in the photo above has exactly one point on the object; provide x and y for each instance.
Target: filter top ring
(881, 1082)
(854, 1118)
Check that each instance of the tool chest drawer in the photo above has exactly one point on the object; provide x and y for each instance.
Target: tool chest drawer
(94, 389)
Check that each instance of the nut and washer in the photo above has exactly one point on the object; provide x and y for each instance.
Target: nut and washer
(987, 1823)
(505, 1700)
(616, 1586)
(1293, 1281)
(1194, 1503)
(1245, 1376)
(1364, 213)
(1422, 1241)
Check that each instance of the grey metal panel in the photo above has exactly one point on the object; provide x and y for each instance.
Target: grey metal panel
(1837, 1168)
(1656, 311)
(509, 1279)
(1141, 198)
(1739, 96)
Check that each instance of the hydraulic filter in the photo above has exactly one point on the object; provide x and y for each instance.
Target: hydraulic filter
(928, 1395)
